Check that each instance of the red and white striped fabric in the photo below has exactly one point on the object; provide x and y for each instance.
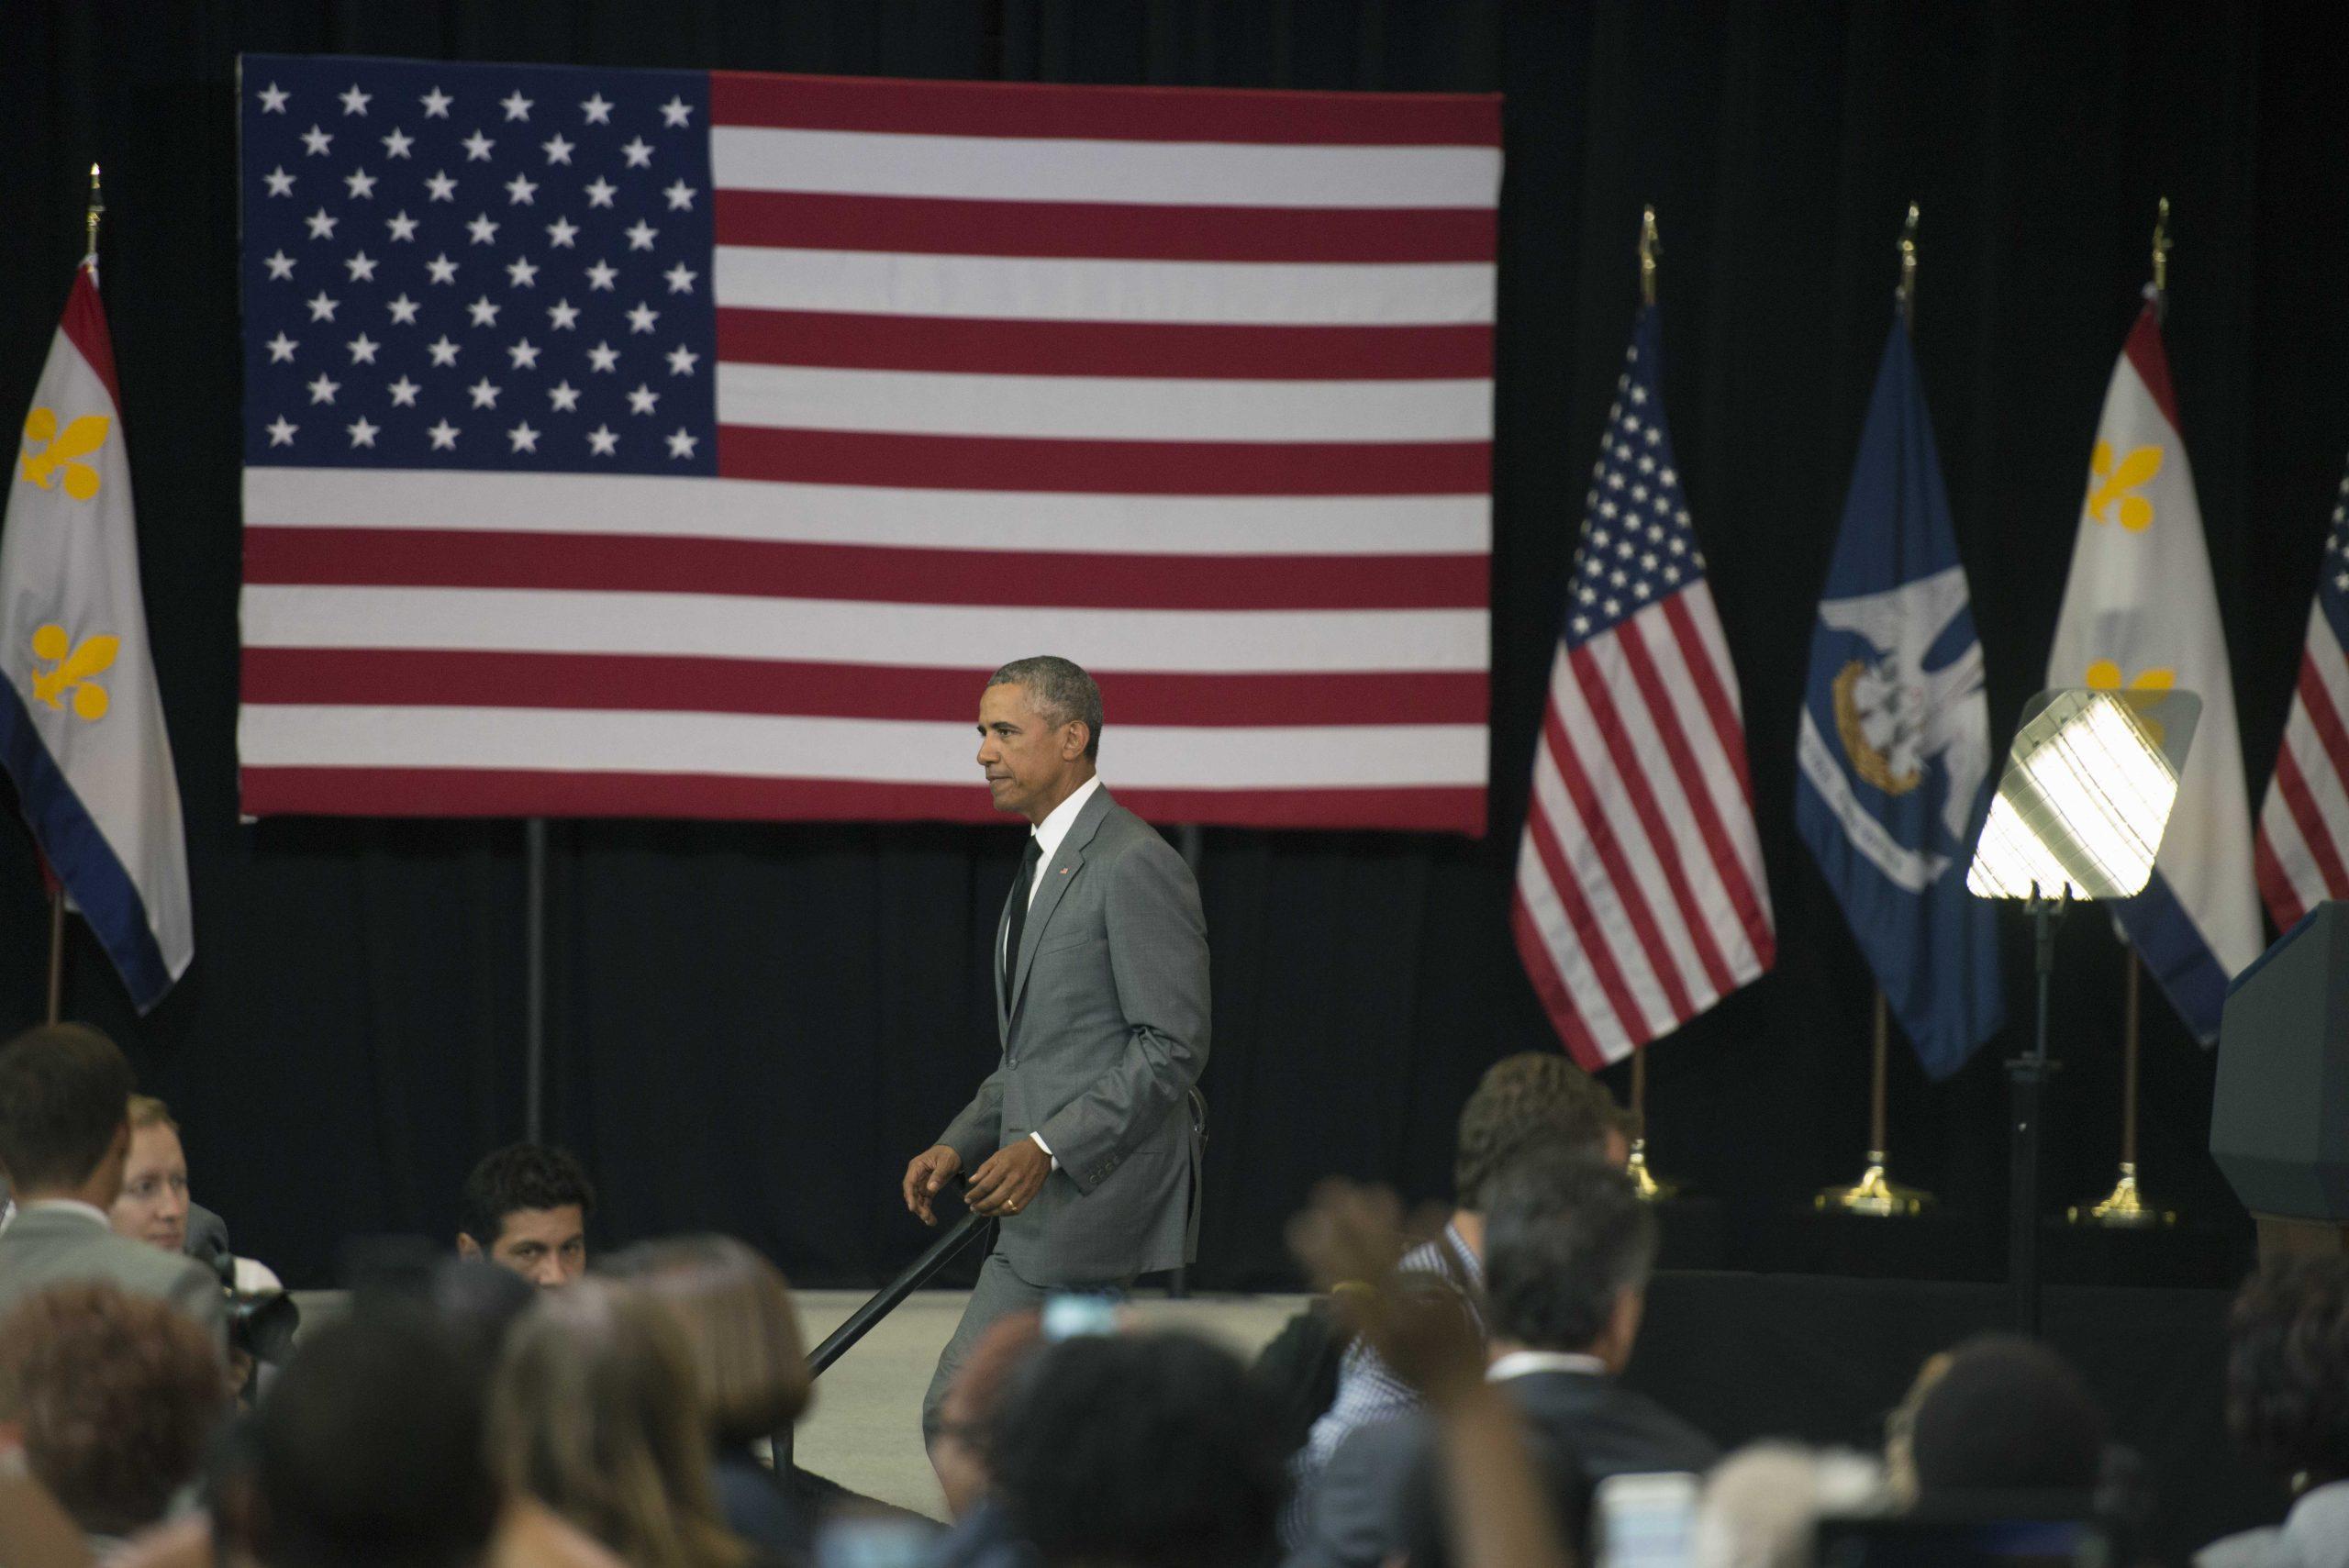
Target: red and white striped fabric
(2302, 854)
(1641, 898)
(1193, 387)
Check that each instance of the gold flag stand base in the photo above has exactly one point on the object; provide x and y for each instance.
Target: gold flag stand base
(1651, 1189)
(1874, 1193)
(2123, 1208)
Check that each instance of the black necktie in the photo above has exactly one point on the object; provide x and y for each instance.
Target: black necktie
(1019, 891)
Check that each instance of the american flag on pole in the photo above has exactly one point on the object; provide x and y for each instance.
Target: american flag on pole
(1640, 898)
(2304, 822)
(672, 443)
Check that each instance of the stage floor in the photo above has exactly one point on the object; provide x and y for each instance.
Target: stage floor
(864, 1430)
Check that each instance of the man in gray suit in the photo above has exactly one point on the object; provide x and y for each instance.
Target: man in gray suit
(64, 1137)
(1080, 1143)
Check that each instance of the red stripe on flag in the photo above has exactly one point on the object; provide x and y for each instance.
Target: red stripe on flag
(1684, 769)
(1110, 468)
(418, 558)
(1728, 730)
(374, 677)
(1591, 932)
(85, 325)
(1727, 862)
(984, 346)
(2145, 351)
(462, 792)
(1103, 113)
(2323, 718)
(2275, 888)
(1550, 986)
(2310, 822)
(937, 226)
(1601, 826)
(1632, 776)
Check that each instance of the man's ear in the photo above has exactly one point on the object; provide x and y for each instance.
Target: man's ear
(467, 1246)
(1075, 736)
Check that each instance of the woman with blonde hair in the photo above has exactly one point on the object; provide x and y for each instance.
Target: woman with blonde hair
(596, 1412)
(738, 1320)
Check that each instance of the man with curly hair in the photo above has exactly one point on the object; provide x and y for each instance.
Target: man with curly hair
(2288, 1402)
(1536, 1099)
(110, 1398)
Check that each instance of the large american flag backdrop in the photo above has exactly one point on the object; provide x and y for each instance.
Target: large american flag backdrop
(668, 443)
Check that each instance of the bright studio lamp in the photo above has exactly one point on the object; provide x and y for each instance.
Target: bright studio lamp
(2079, 815)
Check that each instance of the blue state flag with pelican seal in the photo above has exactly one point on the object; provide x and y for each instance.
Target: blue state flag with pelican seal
(1894, 740)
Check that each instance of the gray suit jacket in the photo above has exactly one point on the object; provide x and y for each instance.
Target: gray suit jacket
(43, 1246)
(1104, 1033)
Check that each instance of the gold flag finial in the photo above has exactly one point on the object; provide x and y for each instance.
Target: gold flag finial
(96, 210)
(1650, 248)
(2161, 248)
(1907, 291)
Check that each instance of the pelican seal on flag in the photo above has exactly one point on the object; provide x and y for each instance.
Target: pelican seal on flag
(1895, 718)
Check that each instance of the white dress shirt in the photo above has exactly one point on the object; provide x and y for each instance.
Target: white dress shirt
(1049, 835)
(1524, 1363)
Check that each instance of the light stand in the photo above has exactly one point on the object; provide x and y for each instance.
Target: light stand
(2080, 814)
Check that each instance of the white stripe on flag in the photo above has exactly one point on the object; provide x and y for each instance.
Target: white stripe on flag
(1103, 407)
(1685, 844)
(1052, 289)
(843, 631)
(651, 504)
(1641, 860)
(789, 746)
(1067, 169)
(1719, 780)
(1600, 891)
(1563, 946)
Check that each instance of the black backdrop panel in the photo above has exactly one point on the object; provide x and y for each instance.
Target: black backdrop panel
(754, 1026)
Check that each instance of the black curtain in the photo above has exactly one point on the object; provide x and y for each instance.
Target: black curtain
(754, 1026)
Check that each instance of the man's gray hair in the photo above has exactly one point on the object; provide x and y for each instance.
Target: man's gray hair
(1060, 691)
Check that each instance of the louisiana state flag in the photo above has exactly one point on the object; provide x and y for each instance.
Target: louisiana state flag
(1894, 740)
(2141, 613)
(81, 722)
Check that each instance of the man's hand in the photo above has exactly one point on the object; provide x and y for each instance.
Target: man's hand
(1010, 1180)
(925, 1174)
(1350, 1239)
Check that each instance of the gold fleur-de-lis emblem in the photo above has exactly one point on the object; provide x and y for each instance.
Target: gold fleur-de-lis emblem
(49, 451)
(2118, 480)
(75, 666)
(2142, 693)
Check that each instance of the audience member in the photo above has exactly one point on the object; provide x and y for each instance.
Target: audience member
(109, 1397)
(1536, 1099)
(153, 1203)
(64, 1140)
(155, 1206)
(368, 1452)
(2001, 1414)
(738, 1322)
(966, 1418)
(1761, 1507)
(526, 1209)
(595, 1411)
(1140, 1451)
(1568, 1250)
(2288, 1402)
(1493, 1496)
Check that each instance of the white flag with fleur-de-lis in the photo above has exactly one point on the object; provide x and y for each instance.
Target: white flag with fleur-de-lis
(80, 723)
(2141, 613)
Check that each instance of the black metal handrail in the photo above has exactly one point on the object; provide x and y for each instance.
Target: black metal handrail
(909, 1279)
